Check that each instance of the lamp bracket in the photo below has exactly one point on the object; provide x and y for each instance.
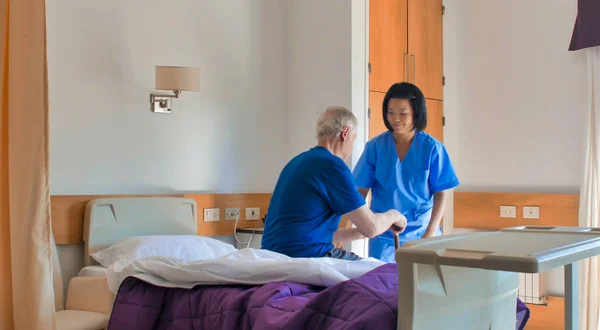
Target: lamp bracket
(161, 103)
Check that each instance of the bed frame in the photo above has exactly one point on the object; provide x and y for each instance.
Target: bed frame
(108, 220)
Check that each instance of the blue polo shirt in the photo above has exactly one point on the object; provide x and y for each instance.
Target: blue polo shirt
(313, 191)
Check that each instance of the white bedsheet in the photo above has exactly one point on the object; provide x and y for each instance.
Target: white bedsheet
(246, 266)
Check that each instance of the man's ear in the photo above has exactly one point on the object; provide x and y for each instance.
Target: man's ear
(345, 133)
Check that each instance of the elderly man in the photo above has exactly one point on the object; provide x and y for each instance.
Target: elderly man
(315, 189)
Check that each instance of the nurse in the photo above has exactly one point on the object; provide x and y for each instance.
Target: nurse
(405, 169)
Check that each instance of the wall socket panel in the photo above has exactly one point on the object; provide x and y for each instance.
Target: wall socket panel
(531, 212)
(508, 211)
(211, 214)
(232, 213)
(252, 213)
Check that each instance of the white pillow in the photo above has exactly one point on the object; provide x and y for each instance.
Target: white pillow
(185, 247)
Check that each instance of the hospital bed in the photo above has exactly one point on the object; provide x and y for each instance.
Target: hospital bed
(250, 288)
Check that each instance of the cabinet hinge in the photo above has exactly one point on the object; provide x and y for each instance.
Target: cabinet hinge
(369, 67)
(443, 10)
(443, 80)
(369, 114)
(444, 121)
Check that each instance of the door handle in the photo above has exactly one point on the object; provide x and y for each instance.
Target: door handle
(414, 57)
(406, 66)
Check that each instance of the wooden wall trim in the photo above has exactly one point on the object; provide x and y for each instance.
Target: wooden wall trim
(481, 210)
(68, 212)
(222, 201)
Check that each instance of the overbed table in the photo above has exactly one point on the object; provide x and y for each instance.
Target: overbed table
(448, 280)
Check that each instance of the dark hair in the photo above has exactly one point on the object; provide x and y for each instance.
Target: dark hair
(410, 92)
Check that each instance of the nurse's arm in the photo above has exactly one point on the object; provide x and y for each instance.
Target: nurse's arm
(439, 204)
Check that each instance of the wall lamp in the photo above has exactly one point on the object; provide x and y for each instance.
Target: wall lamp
(176, 79)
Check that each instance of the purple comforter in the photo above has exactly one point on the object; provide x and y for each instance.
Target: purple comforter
(368, 301)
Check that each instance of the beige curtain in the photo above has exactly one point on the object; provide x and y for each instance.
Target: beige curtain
(589, 203)
(26, 291)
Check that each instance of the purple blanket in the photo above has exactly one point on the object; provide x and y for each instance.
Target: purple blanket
(368, 301)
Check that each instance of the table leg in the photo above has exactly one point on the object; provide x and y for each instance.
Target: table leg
(572, 296)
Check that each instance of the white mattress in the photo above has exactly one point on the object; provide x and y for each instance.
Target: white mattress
(92, 271)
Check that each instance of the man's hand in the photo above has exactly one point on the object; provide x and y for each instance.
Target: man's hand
(397, 230)
(400, 224)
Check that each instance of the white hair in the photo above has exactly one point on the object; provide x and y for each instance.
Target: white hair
(333, 120)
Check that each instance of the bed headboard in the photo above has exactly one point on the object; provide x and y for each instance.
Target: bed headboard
(109, 220)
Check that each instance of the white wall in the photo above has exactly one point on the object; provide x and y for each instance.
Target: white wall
(319, 65)
(225, 138)
(514, 98)
(520, 96)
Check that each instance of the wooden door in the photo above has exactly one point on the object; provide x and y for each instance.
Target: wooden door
(388, 44)
(376, 124)
(425, 46)
(435, 119)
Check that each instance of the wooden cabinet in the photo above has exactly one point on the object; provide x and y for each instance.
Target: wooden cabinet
(388, 43)
(435, 119)
(425, 46)
(376, 124)
(405, 44)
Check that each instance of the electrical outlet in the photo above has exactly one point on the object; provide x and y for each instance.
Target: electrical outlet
(252, 213)
(508, 211)
(531, 212)
(232, 213)
(211, 214)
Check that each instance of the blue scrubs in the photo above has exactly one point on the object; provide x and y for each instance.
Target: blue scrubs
(407, 186)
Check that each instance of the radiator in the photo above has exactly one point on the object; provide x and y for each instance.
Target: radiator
(532, 288)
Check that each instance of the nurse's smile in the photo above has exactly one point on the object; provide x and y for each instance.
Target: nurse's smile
(400, 115)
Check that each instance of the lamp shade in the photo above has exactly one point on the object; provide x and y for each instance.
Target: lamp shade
(177, 78)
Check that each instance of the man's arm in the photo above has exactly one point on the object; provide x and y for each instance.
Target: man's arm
(348, 234)
(344, 235)
(371, 224)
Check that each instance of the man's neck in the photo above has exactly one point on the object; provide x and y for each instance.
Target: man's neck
(333, 146)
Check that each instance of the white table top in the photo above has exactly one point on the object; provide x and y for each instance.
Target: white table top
(526, 249)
